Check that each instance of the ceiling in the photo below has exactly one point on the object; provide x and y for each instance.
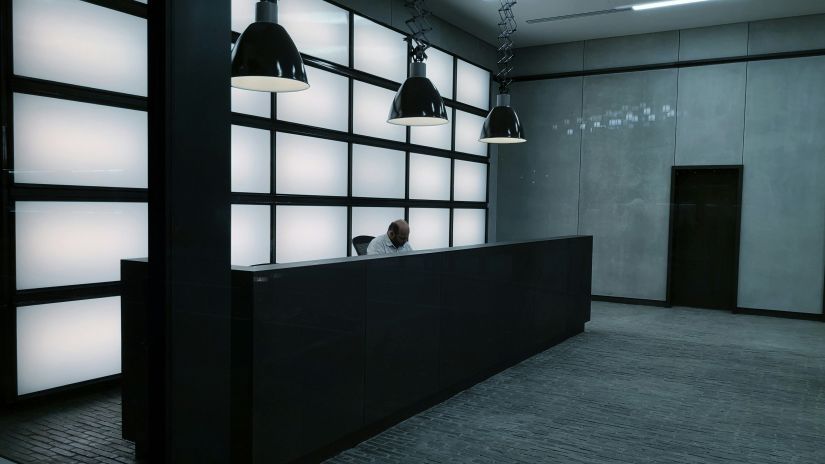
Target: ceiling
(481, 17)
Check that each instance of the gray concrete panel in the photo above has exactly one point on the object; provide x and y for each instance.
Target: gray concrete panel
(548, 59)
(711, 114)
(787, 34)
(627, 154)
(538, 181)
(632, 50)
(783, 206)
(713, 42)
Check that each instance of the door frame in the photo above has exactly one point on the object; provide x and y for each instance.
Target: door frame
(739, 171)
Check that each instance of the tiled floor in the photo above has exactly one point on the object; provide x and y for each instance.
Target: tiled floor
(641, 385)
(86, 429)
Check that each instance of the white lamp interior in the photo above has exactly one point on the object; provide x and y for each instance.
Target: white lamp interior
(71, 143)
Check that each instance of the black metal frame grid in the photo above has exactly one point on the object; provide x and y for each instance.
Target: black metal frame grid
(11, 192)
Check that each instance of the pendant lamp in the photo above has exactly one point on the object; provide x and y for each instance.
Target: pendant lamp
(265, 57)
(417, 102)
(502, 124)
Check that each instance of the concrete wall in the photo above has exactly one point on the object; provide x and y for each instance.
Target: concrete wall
(630, 128)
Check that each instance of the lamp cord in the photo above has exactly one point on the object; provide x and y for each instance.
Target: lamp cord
(419, 25)
(507, 26)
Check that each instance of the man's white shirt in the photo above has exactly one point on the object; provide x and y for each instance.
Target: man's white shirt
(382, 245)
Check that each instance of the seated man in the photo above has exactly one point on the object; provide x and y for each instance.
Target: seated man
(393, 241)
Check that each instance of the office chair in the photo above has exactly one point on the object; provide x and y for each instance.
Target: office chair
(361, 243)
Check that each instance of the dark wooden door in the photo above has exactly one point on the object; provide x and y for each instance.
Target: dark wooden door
(705, 237)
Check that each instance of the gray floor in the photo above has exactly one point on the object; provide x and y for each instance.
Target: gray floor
(642, 385)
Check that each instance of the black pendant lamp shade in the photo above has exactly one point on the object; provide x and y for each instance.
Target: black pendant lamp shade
(502, 124)
(265, 57)
(417, 102)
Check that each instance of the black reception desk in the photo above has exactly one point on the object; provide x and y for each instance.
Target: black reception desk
(326, 353)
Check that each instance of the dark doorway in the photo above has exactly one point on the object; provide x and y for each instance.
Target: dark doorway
(704, 236)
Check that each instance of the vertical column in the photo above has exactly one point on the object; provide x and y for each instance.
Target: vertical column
(189, 231)
(8, 371)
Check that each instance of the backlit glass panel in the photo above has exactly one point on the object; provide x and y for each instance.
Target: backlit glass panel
(71, 143)
(440, 71)
(64, 343)
(468, 226)
(250, 160)
(318, 28)
(251, 102)
(470, 181)
(250, 234)
(472, 85)
(79, 43)
(373, 221)
(371, 107)
(467, 132)
(380, 50)
(305, 233)
(68, 243)
(429, 228)
(324, 104)
(434, 136)
(429, 177)
(310, 166)
(377, 172)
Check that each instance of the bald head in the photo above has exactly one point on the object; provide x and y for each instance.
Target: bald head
(398, 232)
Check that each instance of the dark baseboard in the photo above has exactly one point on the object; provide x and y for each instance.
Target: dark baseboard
(781, 314)
(64, 393)
(631, 301)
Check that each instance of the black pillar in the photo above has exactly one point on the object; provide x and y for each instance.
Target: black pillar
(8, 329)
(189, 231)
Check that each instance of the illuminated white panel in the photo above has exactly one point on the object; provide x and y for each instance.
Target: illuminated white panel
(251, 102)
(70, 143)
(377, 172)
(371, 107)
(80, 43)
(467, 131)
(470, 181)
(468, 226)
(67, 243)
(310, 166)
(243, 14)
(63, 343)
(429, 177)
(318, 28)
(473, 85)
(324, 104)
(440, 71)
(373, 221)
(250, 160)
(250, 234)
(429, 228)
(305, 233)
(380, 51)
(434, 136)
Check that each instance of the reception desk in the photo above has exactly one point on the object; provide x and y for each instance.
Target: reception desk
(325, 353)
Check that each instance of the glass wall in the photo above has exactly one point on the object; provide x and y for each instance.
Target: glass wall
(309, 170)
